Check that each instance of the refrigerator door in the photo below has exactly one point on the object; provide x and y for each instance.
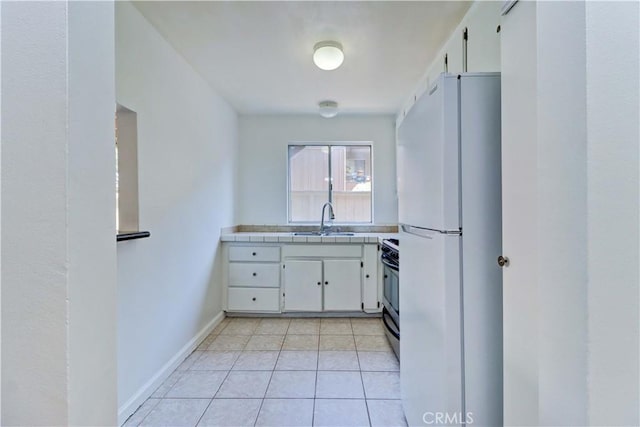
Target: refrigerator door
(430, 318)
(428, 159)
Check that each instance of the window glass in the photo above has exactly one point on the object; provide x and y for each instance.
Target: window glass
(341, 174)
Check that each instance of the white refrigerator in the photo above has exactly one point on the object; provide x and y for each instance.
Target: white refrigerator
(448, 151)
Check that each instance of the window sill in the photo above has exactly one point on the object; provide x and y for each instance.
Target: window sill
(131, 235)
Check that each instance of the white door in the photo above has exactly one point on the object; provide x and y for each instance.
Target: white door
(430, 351)
(342, 285)
(303, 285)
(519, 210)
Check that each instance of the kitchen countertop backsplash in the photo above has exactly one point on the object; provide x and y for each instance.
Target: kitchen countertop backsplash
(285, 233)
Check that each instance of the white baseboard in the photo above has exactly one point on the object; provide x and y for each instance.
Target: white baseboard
(143, 393)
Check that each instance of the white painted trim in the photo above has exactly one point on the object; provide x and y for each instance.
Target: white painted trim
(143, 393)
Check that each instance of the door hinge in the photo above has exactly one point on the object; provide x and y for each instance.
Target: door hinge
(378, 304)
(283, 297)
(465, 34)
(283, 266)
(378, 247)
(361, 264)
(362, 305)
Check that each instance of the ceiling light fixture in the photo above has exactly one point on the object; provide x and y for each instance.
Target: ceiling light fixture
(328, 109)
(328, 55)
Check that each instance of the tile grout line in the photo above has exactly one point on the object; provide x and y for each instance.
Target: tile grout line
(163, 396)
(266, 390)
(222, 382)
(244, 350)
(315, 387)
(145, 417)
(364, 390)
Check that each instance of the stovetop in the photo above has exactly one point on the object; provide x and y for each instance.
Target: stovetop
(391, 249)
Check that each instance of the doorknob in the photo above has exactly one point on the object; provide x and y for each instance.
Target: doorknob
(503, 261)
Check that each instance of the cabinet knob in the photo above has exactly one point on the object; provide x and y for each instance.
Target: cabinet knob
(253, 299)
(367, 276)
(254, 254)
(255, 274)
(319, 283)
(326, 283)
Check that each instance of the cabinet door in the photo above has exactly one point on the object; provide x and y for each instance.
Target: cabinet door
(303, 285)
(342, 285)
(370, 283)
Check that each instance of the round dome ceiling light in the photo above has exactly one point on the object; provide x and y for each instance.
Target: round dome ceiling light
(328, 55)
(328, 109)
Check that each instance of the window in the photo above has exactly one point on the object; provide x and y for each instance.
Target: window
(340, 174)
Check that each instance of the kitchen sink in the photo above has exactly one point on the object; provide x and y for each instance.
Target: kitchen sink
(326, 233)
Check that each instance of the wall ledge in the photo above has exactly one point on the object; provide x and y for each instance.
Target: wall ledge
(132, 235)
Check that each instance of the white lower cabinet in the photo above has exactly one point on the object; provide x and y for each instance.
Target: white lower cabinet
(270, 278)
(303, 285)
(342, 285)
(323, 285)
(252, 274)
(254, 299)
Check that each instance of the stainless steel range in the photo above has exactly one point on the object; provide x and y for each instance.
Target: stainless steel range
(390, 257)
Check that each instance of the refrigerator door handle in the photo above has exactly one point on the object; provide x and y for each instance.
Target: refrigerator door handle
(427, 232)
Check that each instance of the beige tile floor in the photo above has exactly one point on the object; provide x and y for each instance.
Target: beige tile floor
(282, 372)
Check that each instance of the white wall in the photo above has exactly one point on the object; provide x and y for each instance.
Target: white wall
(90, 216)
(613, 202)
(169, 285)
(262, 170)
(584, 344)
(58, 246)
(562, 223)
(519, 216)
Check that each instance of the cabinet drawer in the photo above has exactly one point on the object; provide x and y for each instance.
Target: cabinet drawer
(254, 299)
(254, 253)
(254, 274)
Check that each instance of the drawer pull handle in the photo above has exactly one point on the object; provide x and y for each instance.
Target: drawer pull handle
(253, 299)
(255, 274)
(254, 254)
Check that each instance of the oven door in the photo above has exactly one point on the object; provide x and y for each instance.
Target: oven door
(391, 291)
(391, 306)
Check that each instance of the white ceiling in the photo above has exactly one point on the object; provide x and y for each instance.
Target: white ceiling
(258, 55)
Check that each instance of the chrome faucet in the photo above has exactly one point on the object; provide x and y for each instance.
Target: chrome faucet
(323, 228)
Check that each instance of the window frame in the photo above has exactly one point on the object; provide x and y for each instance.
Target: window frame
(330, 189)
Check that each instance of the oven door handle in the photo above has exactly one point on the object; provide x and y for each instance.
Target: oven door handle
(389, 264)
(392, 331)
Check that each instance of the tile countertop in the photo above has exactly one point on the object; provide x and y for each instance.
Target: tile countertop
(288, 237)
